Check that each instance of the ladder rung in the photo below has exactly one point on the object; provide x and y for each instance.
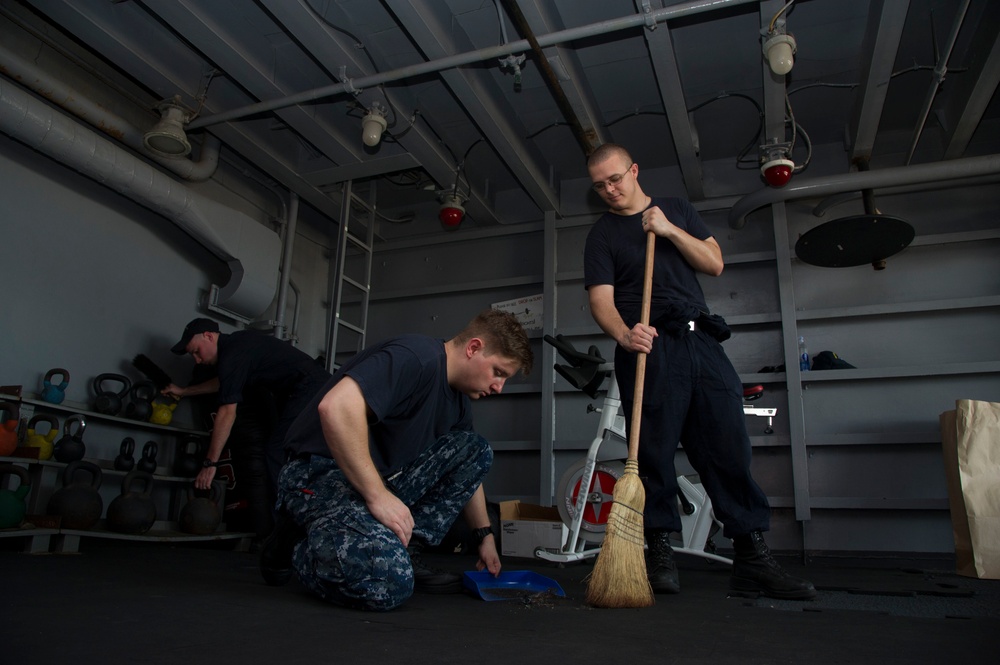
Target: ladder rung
(359, 242)
(351, 326)
(358, 285)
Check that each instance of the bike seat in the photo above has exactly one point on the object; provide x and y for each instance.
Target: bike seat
(587, 379)
(750, 393)
(571, 355)
(583, 371)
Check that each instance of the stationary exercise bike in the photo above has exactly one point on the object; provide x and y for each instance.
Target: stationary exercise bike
(585, 513)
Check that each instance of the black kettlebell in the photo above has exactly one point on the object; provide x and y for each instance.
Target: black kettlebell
(70, 447)
(78, 503)
(133, 511)
(109, 402)
(201, 515)
(148, 461)
(189, 457)
(125, 461)
(141, 405)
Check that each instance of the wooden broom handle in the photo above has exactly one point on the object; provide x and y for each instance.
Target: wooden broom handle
(640, 361)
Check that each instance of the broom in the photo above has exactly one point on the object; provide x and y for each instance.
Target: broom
(152, 371)
(619, 576)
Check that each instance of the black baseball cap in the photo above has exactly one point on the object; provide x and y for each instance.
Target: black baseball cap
(195, 327)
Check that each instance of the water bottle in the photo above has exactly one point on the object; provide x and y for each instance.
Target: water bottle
(803, 355)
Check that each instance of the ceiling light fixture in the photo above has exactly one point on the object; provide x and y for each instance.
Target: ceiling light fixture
(372, 125)
(452, 212)
(167, 137)
(776, 167)
(779, 49)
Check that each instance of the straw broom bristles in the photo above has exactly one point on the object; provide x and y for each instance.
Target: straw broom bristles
(619, 577)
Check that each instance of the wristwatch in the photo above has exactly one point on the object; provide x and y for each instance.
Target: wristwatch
(481, 533)
(207, 463)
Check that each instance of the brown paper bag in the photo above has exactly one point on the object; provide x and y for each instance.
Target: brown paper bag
(970, 437)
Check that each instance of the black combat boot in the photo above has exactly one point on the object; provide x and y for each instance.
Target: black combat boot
(431, 580)
(754, 569)
(276, 552)
(660, 565)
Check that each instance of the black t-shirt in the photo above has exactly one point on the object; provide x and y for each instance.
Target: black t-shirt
(615, 254)
(405, 383)
(251, 362)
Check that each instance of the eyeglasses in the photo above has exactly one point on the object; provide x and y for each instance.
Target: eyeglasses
(613, 180)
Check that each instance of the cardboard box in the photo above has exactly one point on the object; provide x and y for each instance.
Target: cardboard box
(526, 527)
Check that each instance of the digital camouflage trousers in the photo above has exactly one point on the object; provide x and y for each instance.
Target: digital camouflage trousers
(350, 558)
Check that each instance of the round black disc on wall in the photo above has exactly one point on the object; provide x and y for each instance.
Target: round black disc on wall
(854, 241)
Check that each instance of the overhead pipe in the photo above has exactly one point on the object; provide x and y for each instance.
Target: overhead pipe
(583, 137)
(954, 169)
(649, 19)
(249, 249)
(64, 96)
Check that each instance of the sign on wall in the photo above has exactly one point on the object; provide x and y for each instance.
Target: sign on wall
(528, 310)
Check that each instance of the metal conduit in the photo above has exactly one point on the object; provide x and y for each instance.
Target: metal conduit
(250, 250)
(940, 69)
(558, 37)
(954, 169)
(585, 139)
(64, 96)
(291, 221)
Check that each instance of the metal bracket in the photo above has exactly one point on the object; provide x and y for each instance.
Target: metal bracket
(647, 10)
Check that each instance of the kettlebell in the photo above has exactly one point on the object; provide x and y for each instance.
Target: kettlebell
(12, 505)
(78, 503)
(125, 461)
(44, 442)
(163, 413)
(141, 405)
(55, 394)
(147, 462)
(189, 457)
(8, 427)
(201, 515)
(133, 511)
(70, 447)
(109, 402)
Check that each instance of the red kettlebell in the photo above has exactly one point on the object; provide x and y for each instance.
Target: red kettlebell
(8, 428)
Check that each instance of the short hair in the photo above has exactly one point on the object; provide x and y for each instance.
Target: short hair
(606, 150)
(503, 334)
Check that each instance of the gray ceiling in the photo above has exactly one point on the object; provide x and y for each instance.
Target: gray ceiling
(284, 84)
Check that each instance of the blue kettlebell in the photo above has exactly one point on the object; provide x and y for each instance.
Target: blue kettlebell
(55, 394)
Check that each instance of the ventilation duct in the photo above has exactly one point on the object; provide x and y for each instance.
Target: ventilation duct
(250, 250)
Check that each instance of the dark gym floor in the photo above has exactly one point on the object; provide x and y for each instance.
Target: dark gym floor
(126, 602)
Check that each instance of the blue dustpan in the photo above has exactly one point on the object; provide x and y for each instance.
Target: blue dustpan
(510, 585)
